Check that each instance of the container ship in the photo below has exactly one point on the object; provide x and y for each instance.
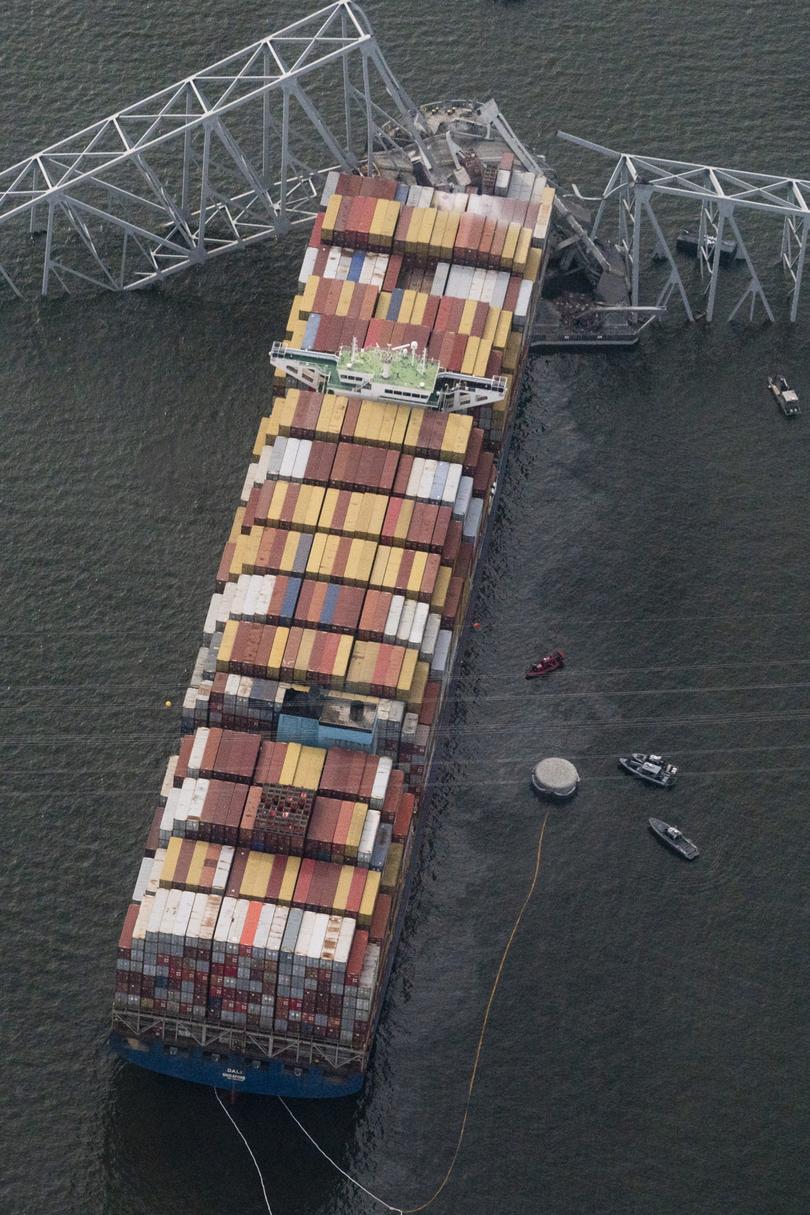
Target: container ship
(257, 946)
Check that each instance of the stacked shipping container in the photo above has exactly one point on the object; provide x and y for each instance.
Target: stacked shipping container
(269, 896)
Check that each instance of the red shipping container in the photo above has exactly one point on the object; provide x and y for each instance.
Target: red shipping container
(392, 273)
(380, 919)
(473, 453)
(315, 235)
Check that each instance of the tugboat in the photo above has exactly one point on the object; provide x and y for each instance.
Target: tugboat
(674, 839)
(551, 662)
(652, 768)
(786, 396)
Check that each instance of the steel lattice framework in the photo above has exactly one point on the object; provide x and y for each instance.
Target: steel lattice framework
(720, 194)
(227, 157)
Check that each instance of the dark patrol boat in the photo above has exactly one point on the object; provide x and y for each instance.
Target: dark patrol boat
(674, 839)
(652, 768)
(786, 396)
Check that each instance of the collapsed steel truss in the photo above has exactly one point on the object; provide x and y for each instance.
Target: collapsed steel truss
(227, 157)
(719, 195)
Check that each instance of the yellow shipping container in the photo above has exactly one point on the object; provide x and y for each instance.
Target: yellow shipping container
(291, 759)
(449, 234)
(437, 234)
(330, 215)
(383, 304)
(369, 898)
(330, 549)
(285, 894)
(393, 864)
(378, 569)
(289, 552)
(418, 310)
(503, 331)
(344, 652)
(308, 294)
(470, 355)
(456, 436)
(258, 868)
(404, 519)
(510, 245)
(375, 230)
(417, 574)
(406, 307)
(262, 436)
(330, 499)
(308, 507)
(356, 825)
(170, 861)
(417, 690)
(301, 664)
(365, 551)
(491, 324)
(277, 649)
(467, 317)
(482, 358)
(378, 504)
(511, 355)
(322, 426)
(309, 769)
(345, 298)
(401, 416)
(357, 671)
(533, 263)
(392, 567)
(411, 439)
(195, 869)
(524, 244)
(411, 235)
(226, 645)
(407, 672)
(425, 229)
(316, 553)
(440, 589)
(347, 872)
(236, 526)
(389, 222)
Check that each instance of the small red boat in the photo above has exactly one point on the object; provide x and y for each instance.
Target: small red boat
(552, 662)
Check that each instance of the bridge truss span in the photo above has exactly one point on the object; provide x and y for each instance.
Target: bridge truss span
(227, 157)
(720, 197)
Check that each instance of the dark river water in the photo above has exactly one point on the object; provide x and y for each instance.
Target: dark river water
(647, 1050)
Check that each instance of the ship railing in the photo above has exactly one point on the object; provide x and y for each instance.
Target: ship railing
(182, 1032)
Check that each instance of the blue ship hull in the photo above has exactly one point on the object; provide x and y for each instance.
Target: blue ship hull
(266, 1078)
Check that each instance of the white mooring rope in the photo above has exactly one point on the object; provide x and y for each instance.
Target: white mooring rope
(228, 1115)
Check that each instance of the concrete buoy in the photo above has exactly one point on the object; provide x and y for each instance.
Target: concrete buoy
(556, 778)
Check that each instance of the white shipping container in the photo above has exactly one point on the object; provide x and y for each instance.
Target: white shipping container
(247, 485)
(288, 459)
(305, 934)
(406, 621)
(210, 625)
(472, 519)
(223, 925)
(499, 289)
(332, 262)
(307, 265)
(394, 615)
(415, 477)
(300, 465)
(168, 778)
(195, 758)
(344, 265)
(155, 870)
(329, 187)
(451, 484)
(219, 881)
(420, 618)
(263, 464)
(502, 182)
(477, 285)
(523, 304)
(462, 502)
(441, 653)
(439, 481)
(367, 838)
(380, 784)
(430, 634)
(142, 880)
(414, 194)
(440, 275)
(277, 451)
(426, 480)
(345, 940)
